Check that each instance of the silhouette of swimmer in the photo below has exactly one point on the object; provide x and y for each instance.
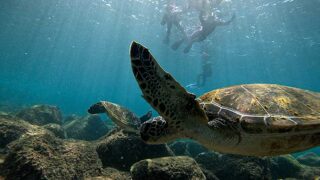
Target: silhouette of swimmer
(172, 17)
(208, 25)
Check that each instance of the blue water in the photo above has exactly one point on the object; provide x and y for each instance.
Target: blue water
(74, 53)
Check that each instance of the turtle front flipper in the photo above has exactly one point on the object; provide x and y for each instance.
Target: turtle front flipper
(121, 116)
(178, 107)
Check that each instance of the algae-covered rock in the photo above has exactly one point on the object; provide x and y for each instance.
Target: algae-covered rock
(288, 167)
(70, 118)
(111, 174)
(41, 115)
(179, 148)
(13, 129)
(56, 129)
(178, 167)
(195, 148)
(309, 159)
(285, 166)
(6, 115)
(243, 167)
(121, 150)
(86, 128)
(40, 155)
(235, 167)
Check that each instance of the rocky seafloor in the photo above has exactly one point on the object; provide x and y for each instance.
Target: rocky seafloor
(39, 143)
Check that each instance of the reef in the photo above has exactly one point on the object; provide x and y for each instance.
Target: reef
(42, 149)
(41, 115)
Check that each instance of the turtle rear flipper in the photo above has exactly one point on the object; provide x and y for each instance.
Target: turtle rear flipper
(163, 92)
(121, 116)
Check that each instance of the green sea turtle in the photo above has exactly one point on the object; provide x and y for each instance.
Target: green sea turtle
(121, 116)
(252, 119)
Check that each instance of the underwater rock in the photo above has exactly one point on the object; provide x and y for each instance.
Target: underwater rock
(120, 150)
(234, 167)
(41, 115)
(111, 174)
(179, 148)
(187, 148)
(178, 167)
(309, 173)
(88, 128)
(56, 129)
(309, 159)
(285, 166)
(6, 115)
(41, 155)
(195, 148)
(13, 129)
(2, 157)
(70, 118)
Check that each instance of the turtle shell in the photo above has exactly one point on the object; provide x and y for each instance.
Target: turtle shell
(265, 108)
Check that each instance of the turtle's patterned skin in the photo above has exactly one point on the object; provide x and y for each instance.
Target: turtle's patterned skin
(256, 119)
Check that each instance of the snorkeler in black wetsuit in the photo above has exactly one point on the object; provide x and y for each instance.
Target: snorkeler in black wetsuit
(206, 70)
(208, 25)
(171, 17)
(146, 117)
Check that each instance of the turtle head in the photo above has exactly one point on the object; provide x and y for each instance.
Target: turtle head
(156, 131)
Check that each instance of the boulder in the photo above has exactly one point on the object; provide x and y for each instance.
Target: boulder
(285, 166)
(179, 148)
(112, 174)
(88, 128)
(120, 150)
(41, 115)
(56, 129)
(195, 148)
(178, 167)
(309, 159)
(70, 118)
(235, 167)
(7, 115)
(40, 155)
(12, 129)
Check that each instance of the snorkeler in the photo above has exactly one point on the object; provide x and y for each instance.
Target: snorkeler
(146, 117)
(206, 70)
(171, 17)
(208, 25)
